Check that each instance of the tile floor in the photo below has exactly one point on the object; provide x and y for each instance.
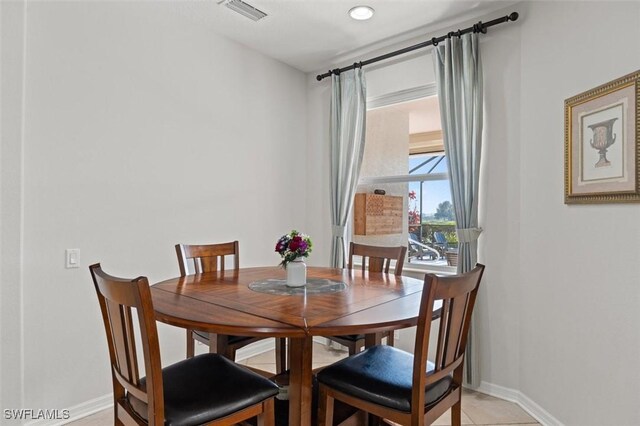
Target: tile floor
(477, 408)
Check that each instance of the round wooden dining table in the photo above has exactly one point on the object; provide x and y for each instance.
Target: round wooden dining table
(228, 303)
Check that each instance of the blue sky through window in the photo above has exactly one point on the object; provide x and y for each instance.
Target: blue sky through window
(434, 192)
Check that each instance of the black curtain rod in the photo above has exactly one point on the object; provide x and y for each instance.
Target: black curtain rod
(480, 27)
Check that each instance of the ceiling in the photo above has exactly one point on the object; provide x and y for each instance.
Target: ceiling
(311, 34)
(424, 114)
(425, 127)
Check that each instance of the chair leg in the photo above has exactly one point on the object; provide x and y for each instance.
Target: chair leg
(213, 343)
(373, 420)
(191, 344)
(391, 338)
(353, 349)
(281, 355)
(267, 417)
(116, 420)
(456, 414)
(325, 408)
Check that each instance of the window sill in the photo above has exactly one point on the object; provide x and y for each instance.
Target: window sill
(428, 269)
(418, 270)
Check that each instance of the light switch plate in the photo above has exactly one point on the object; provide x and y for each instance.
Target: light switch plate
(72, 258)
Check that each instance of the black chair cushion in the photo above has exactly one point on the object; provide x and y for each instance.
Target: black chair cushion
(355, 337)
(352, 337)
(206, 387)
(231, 339)
(382, 375)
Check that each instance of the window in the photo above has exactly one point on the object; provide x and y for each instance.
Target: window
(404, 155)
(431, 219)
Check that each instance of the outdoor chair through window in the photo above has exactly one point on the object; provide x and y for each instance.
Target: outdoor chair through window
(440, 243)
(419, 250)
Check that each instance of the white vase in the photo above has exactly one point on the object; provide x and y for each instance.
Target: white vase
(296, 273)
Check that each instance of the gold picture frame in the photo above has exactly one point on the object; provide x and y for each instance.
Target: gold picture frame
(602, 143)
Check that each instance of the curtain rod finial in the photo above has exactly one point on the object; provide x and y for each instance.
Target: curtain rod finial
(514, 16)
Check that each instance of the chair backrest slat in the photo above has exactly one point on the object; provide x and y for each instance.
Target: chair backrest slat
(379, 258)
(123, 341)
(454, 330)
(458, 295)
(131, 348)
(209, 264)
(118, 297)
(442, 335)
(207, 257)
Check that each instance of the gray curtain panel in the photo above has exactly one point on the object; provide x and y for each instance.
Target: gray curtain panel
(459, 80)
(348, 115)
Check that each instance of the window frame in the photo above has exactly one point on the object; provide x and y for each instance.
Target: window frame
(396, 98)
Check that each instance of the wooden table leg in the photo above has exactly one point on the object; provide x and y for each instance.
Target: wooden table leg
(300, 381)
(372, 339)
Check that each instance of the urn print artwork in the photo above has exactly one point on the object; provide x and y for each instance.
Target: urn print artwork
(603, 138)
(601, 144)
(600, 131)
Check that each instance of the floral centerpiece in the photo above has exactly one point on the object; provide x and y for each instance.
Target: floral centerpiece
(292, 246)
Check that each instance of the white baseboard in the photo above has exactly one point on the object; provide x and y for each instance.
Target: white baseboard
(527, 404)
(79, 411)
(98, 404)
(266, 345)
(256, 348)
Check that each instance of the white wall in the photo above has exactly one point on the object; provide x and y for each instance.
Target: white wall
(143, 128)
(318, 182)
(580, 269)
(558, 304)
(11, 114)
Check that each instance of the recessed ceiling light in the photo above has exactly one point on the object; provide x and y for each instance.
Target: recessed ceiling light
(361, 13)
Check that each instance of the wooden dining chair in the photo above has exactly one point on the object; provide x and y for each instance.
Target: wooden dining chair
(377, 258)
(373, 259)
(206, 389)
(211, 258)
(404, 388)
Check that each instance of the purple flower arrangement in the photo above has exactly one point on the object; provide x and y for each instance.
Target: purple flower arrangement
(292, 246)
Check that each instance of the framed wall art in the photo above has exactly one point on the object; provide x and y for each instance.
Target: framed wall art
(602, 143)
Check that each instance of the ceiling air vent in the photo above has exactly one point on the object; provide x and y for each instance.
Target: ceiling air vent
(244, 9)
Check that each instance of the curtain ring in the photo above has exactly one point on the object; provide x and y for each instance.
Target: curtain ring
(450, 34)
(336, 71)
(434, 41)
(459, 33)
(479, 28)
